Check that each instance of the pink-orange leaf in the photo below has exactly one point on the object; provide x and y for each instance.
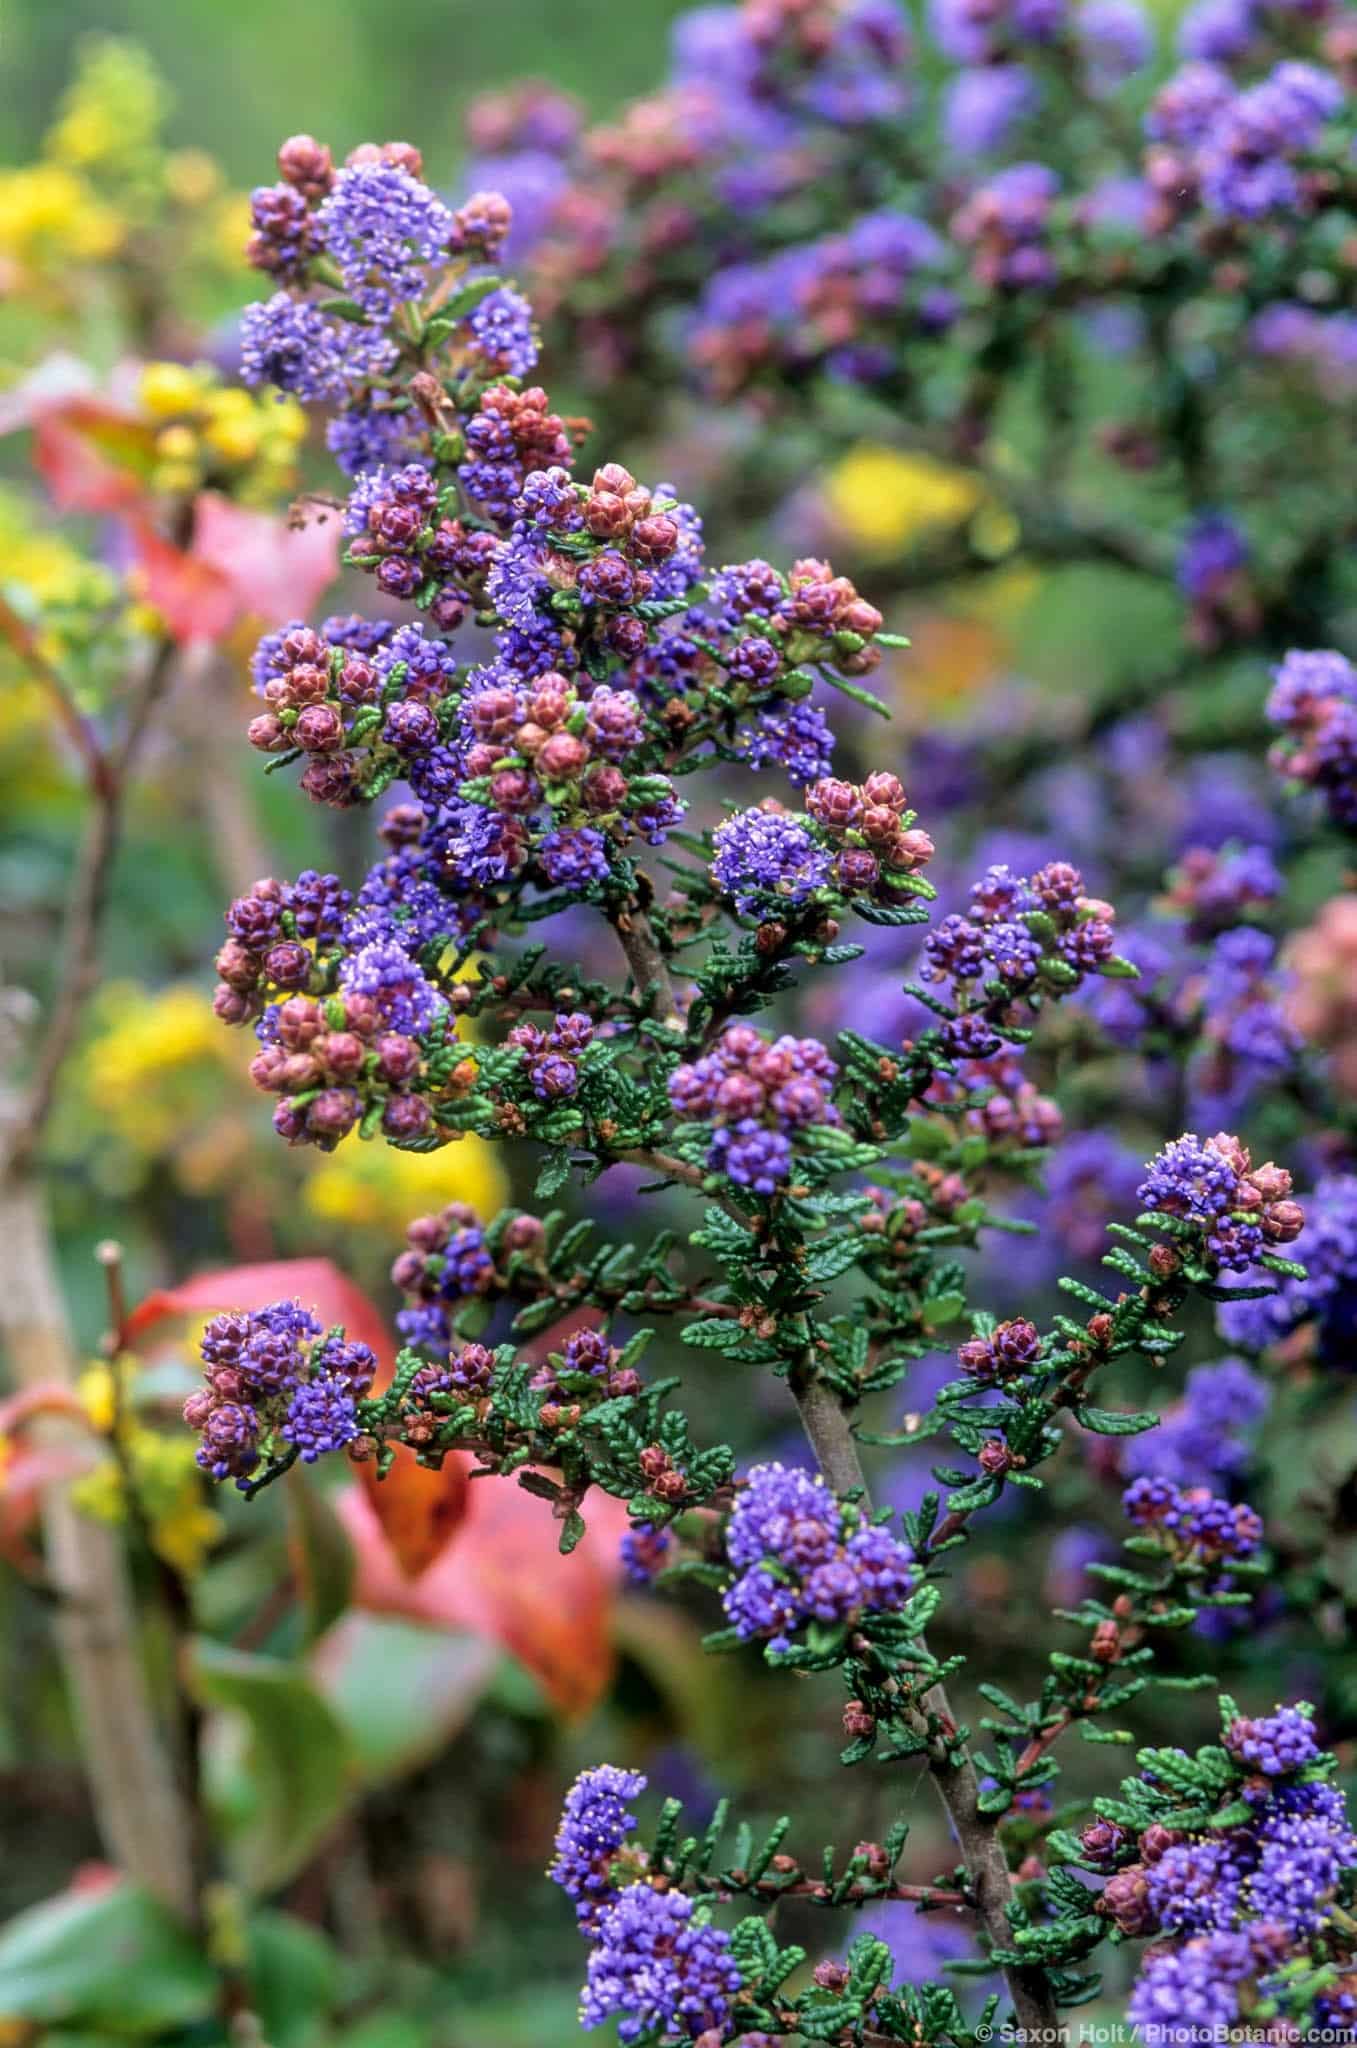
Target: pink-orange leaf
(502, 1577)
(419, 1510)
(276, 571)
(196, 601)
(317, 1284)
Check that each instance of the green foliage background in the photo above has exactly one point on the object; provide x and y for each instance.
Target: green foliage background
(247, 72)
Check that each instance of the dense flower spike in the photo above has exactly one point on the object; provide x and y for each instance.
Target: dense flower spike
(582, 906)
(1235, 1910)
(273, 1379)
(1234, 1209)
(659, 1967)
(593, 1828)
(800, 1558)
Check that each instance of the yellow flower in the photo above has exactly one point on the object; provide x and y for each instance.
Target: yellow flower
(884, 498)
(374, 1187)
(49, 216)
(112, 110)
(232, 431)
(170, 388)
(169, 1494)
(144, 1067)
(99, 1395)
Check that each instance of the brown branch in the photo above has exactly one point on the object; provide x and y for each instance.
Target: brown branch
(79, 944)
(826, 1425)
(649, 969)
(857, 1895)
(20, 636)
(142, 1819)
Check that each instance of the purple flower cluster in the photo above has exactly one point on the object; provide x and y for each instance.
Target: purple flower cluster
(767, 862)
(840, 300)
(659, 1968)
(292, 345)
(594, 1825)
(345, 1015)
(1018, 930)
(1276, 1745)
(1314, 702)
(656, 1964)
(1006, 225)
(1327, 1296)
(1234, 1910)
(1239, 1210)
(757, 1096)
(1193, 1522)
(1214, 887)
(381, 226)
(1246, 160)
(552, 1057)
(1247, 1041)
(799, 1557)
(1241, 151)
(1200, 1440)
(645, 1550)
(274, 1384)
(447, 1263)
(356, 716)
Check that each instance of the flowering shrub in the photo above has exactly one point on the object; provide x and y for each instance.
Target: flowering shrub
(568, 705)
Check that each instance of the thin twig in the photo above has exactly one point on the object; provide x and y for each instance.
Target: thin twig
(84, 911)
(827, 1428)
(649, 970)
(20, 636)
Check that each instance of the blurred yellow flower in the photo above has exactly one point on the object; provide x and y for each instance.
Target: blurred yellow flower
(211, 427)
(111, 112)
(50, 216)
(884, 498)
(169, 388)
(169, 1494)
(374, 1187)
(99, 1395)
(143, 1069)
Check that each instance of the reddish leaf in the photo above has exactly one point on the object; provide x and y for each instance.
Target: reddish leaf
(418, 1509)
(503, 1578)
(317, 1283)
(196, 600)
(25, 1476)
(91, 459)
(274, 569)
(48, 1397)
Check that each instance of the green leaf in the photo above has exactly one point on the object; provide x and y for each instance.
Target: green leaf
(716, 1333)
(401, 1691)
(112, 1958)
(1115, 1422)
(552, 1176)
(294, 1980)
(835, 1256)
(321, 1552)
(279, 1769)
(469, 296)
